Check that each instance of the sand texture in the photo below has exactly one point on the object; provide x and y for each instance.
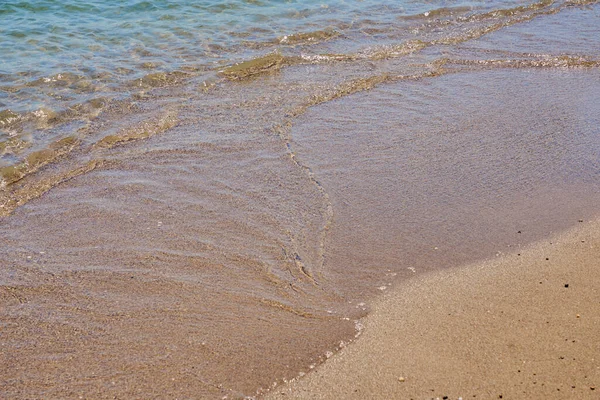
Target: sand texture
(523, 325)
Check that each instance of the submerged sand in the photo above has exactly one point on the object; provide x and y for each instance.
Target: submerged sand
(523, 325)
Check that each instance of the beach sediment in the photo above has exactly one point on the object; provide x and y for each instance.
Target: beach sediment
(519, 326)
(208, 215)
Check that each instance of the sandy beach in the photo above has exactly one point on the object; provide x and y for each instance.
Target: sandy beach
(523, 325)
(208, 200)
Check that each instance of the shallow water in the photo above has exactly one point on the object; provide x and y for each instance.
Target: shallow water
(189, 228)
(439, 173)
(56, 54)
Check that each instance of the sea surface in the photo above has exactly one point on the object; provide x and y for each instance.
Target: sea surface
(200, 199)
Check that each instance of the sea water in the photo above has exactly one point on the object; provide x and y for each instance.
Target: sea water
(57, 55)
(201, 199)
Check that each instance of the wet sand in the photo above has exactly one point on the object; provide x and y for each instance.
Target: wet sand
(522, 325)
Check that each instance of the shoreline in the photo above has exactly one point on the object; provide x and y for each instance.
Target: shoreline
(520, 325)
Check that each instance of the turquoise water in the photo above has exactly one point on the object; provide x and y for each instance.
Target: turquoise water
(96, 47)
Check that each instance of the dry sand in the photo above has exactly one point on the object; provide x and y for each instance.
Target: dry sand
(524, 325)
